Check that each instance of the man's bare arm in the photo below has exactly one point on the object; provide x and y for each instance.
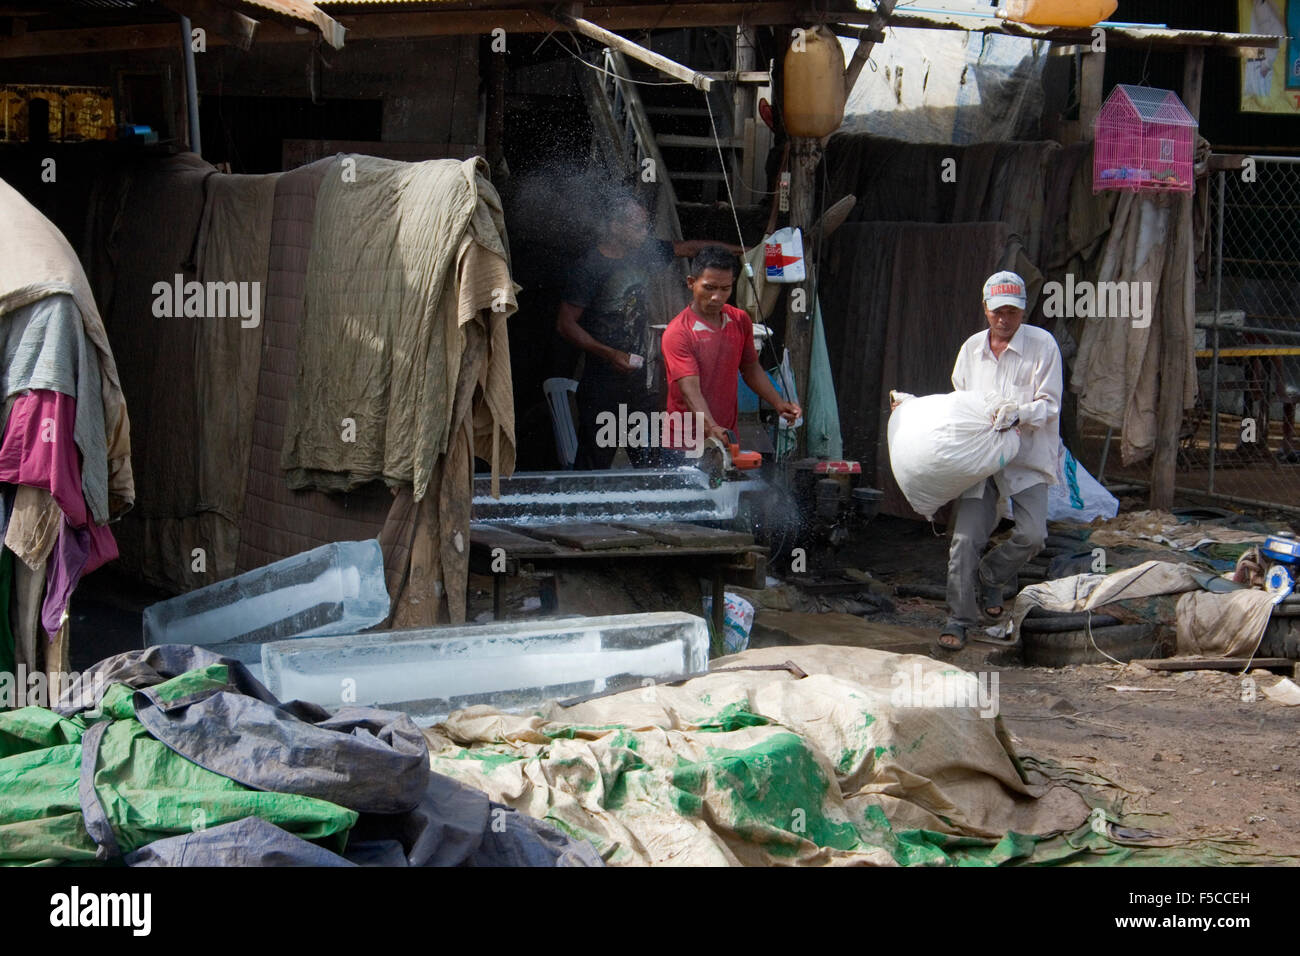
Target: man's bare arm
(757, 379)
(694, 398)
(566, 323)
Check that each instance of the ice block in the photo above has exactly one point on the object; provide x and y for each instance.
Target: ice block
(649, 494)
(429, 672)
(335, 589)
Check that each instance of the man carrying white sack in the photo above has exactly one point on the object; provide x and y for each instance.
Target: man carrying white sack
(1023, 365)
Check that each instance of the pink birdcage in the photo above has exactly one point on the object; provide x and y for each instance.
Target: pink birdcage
(1143, 141)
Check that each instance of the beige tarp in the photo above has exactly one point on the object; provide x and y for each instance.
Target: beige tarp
(1117, 369)
(380, 353)
(760, 767)
(1208, 624)
(234, 236)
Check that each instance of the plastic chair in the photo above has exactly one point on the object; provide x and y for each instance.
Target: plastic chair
(557, 392)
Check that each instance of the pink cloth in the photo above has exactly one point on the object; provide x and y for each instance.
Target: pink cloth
(38, 449)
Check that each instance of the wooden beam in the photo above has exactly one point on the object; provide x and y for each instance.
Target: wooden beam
(433, 23)
(1143, 38)
(1091, 90)
(1193, 74)
(805, 154)
(866, 41)
(1175, 304)
(495, 126)
(1283, 664)
(637, 52)
(214, 18)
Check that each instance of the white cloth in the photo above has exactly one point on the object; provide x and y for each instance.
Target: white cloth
(1029, 374)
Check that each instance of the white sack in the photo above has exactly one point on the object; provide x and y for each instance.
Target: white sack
(941, 445)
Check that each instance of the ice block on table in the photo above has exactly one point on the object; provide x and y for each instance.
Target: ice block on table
(646, 494)
(334, 589)
(429, 672)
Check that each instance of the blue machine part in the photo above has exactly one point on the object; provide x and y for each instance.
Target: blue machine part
(1282, 548)
(1279, 582)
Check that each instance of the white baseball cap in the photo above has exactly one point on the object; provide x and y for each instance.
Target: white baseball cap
(1004, 288)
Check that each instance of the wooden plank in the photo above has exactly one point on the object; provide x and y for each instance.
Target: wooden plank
(589, 536)
(1173, 363)
(685, 534)
(1193, 74)
(300, 152)
(1216, 663)
(429, 23)
(869, 36)
(1091, 91)
(515, 544)
(637, 52)
(805, 155)
(698, 142)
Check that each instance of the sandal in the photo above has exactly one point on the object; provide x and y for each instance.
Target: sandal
(951, 630)
(991, 598)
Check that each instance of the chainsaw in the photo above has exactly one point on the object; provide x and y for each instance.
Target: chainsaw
(724, 461)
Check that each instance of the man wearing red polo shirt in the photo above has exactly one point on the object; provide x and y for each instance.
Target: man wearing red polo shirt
(704, 347)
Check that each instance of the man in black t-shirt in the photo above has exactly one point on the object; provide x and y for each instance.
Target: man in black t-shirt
(605, 312)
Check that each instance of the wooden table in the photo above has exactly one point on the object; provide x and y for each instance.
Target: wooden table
(721, 556)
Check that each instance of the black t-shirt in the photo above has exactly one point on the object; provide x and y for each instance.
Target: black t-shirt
(614, 296)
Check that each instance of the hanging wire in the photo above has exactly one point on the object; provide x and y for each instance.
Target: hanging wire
(577, 55)
(735, 218)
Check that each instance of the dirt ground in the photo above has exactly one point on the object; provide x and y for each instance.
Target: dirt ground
(1191, 759)
(1196, 761)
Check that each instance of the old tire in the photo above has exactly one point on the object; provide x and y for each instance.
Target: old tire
(1123, 642)
(1039, 621)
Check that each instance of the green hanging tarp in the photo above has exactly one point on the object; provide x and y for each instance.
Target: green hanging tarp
(822, 412)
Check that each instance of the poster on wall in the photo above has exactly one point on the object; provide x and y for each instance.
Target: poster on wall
(1270, 81)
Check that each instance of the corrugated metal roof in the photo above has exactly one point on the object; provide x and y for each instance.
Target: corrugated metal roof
(1158, 36)
(299, 11)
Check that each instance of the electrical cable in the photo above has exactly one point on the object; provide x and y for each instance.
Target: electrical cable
(740, 237)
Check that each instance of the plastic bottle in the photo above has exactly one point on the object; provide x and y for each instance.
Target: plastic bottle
(1058, 13)
(814, 83)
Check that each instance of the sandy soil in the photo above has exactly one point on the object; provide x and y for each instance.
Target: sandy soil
(1196, 760)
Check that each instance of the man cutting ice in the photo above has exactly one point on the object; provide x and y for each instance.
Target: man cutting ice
(1023, 365)
(704, 347)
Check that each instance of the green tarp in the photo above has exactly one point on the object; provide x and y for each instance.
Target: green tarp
(146, 790)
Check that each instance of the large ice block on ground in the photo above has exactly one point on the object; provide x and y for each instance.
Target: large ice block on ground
(335, 589)
(431, 671)
(648, 494)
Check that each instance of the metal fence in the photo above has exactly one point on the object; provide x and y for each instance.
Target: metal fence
(1241, 442)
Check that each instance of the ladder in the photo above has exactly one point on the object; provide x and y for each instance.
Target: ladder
(624, 136)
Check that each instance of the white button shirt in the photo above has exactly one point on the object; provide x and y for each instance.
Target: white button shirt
(1029, 374)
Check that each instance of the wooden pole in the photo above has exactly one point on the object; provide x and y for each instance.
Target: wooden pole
(744, 97)
(868, 37)
(494, 127)
(1176, 306)
(635, 51)
(1091, 90)
(1178, 303)
(1193, 73)
(806, 153)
